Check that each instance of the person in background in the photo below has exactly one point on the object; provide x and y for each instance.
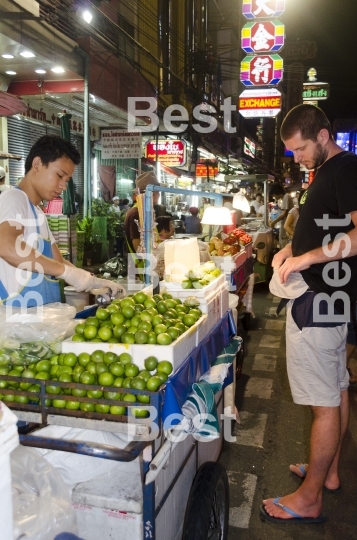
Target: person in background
(3, 186)
(193, 222)
(124, 206)
(115, 206)
(165, 227)
(278, 193)
(256, 203)
(30, 262)
(291, 221)
(130, 226)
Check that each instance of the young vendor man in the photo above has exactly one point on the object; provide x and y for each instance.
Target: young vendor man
(30, 261)
(321, 262)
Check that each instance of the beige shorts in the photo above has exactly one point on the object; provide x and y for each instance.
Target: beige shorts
(316, 363)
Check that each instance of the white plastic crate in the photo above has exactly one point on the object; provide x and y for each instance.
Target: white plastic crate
(230, 263)
(224, 298)
(175, 353)
(178, 292)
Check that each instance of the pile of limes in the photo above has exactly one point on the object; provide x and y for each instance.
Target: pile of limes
(105, 369)
(141, 319)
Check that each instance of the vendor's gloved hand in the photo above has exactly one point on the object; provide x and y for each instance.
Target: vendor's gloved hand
(84, 281)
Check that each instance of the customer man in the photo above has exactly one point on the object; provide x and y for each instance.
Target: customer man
(316, 358)
(256, 204)
(130, 226)
(193, 222)
(30, 261)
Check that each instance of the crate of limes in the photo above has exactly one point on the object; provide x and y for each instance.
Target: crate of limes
(101, 383)
(143, 325)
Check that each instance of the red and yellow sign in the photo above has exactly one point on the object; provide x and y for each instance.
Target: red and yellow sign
(170, 152)
(259, 102)
(203, 170)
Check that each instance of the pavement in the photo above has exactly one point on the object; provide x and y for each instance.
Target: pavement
(274, 432)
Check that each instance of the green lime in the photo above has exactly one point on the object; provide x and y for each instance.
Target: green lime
(116, 368)
(163, 376)
(53, 389)
(189, 320)
(106, 379)
(129, 397)
(131, 370)
(92, 321)
(59, 403)
(79, 329)
(110, 357)
(117, 318)
(144, 374)
(126, 382)
(70, 359)
(161, 307)
(77, 371)
(165, 366)
(158, 298)
(160, 328)
(101, 408)
(135, 321)
(149, 303)
(128, 312)
(78, 338)
(166, 296)
(78, 392)
(158, 319)
(101, 368)
(105, 333)
(139, 308)
(128, 338)
(89, 332)
(117, 409)
(146, 326)
(44, 365)
(141, 337)
(132, 329)
(83, 359)
(125, 358)
(140, 297)
(87, 407)
(91, 367)
(118, 382)
(43, 375)
(97, 356)
(138, 383)
(153, 383)
(119, 330)
(140, 413)
(142, 398)
(150, 363)
(146, 316)
(113, 308)
(173, 332)
(95, 394)
(164, 339)
(72, 405)
(152, 338)
(87, 378)
(102, 314)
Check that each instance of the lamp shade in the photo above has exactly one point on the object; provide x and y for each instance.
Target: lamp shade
(240, 202)
(216, 216)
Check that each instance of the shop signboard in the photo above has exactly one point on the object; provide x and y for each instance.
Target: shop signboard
(263, 9)
(261, 70)
(262, 102)
(119, 144)
(204, 170)
(315, 91)
(249, 147)
(170, 152)
(262, 36)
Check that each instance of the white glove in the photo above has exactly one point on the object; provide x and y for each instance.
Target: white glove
(82, 280)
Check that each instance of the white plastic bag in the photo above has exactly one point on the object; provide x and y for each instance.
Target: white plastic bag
(42, 506)
(32, 334)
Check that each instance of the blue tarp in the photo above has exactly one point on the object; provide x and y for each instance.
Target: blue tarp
(179, 385)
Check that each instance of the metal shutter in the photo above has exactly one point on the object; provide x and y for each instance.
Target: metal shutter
(22, 134)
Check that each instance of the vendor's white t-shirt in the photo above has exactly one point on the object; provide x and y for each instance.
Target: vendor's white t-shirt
(15, 207)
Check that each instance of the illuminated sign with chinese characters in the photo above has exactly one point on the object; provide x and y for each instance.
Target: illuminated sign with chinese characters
(263, 9)
(263, 36)
(260, 70)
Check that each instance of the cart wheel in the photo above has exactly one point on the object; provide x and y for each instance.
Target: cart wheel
(207, 510)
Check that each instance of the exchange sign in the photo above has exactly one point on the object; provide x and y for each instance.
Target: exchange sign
(262, 102)
(262, 9)
(262, 36)
(261, 70)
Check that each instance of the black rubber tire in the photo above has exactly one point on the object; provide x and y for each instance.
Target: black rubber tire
(207, 510)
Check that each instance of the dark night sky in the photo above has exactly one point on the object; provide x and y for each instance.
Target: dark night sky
(332, 24)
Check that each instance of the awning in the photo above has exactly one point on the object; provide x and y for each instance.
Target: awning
(10, 104)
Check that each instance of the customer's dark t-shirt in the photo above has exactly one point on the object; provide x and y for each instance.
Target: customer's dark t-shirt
(334, 193)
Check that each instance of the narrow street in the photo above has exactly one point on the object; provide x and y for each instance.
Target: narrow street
(274, 432)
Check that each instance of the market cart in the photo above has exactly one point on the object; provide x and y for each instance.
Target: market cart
(156, 481)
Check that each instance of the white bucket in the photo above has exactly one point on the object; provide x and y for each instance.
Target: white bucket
(77, 299)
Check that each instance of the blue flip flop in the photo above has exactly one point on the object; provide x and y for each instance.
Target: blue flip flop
(295, 519)
(326, 489)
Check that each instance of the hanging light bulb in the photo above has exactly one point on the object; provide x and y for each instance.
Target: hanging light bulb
(216, 216)
(87, 16)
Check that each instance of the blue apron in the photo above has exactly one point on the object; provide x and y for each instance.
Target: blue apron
(40, 289)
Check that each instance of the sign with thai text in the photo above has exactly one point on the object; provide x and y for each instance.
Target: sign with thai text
(168, 151)
(263, 36)
(207, 171)
(315, 91)
(118, 144)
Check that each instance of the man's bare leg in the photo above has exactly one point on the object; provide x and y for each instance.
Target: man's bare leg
(332, 478)
(325, 440)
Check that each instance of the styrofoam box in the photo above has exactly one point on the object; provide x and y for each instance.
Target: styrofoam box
(176, 353)
(249, 249)
(211, 307)
(228, 263)
(176, 290)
